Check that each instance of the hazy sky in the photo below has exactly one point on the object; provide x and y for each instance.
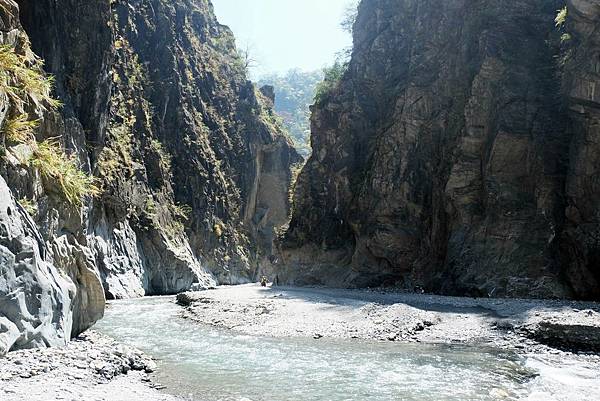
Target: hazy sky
(286, 34)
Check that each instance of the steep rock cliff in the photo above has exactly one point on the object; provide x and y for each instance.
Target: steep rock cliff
(580, 238)
(49, 287)
(162, 169)
(442, 157)
(182, 143)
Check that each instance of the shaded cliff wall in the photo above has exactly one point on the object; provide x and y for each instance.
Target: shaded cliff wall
(580, 61)
(442, 157)
(183, 170)
(181, 142)
(49, 287)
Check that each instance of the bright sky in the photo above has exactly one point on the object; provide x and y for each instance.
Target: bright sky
(286, 34)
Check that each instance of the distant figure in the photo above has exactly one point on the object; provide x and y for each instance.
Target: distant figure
(276, 281)
(263, 281)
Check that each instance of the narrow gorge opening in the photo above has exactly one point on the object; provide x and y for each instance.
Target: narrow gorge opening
(299, 200)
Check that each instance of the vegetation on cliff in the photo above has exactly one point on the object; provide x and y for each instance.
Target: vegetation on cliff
(332, 76)
(22, 80)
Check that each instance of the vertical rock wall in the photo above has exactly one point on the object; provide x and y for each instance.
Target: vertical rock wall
(49, 287)
(441, 159)
(192, 167)
(580, 58)
(181, 142)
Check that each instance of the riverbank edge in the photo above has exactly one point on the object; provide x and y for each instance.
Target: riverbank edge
(97, 367)
(92, 366)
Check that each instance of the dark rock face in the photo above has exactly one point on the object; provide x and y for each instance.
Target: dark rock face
(580, 238)
(442, 158)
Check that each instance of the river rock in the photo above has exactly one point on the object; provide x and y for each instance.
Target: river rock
(185, 299)
(575, 330)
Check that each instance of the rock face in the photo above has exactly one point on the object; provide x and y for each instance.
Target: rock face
(194, 170)
(191, 167)
(580, 237)
(49, 287)
(441, 159)
(35, 299)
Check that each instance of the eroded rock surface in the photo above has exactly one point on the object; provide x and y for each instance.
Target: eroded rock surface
(191, 166)
(49, 287)
(35, 298)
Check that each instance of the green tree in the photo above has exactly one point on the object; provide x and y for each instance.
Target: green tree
(294, 93)
(331, 78)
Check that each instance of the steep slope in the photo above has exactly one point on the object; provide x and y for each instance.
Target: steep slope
(184, 146)
(49, 288)
(162, 169)
(580, 238)
(441, 157)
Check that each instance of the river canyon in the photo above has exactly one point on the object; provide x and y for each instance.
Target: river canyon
(441, 240)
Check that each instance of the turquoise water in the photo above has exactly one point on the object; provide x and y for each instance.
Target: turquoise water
(209, 364)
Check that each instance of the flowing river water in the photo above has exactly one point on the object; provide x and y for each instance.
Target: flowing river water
(209, 364)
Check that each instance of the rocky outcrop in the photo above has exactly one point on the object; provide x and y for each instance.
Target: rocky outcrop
(35, 299)
(440, 160)
(49, 287)
(574, 330)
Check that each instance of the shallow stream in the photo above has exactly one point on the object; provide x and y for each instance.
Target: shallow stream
(209, 364)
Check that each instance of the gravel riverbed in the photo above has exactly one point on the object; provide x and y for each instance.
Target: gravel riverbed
(529, 325)
(92, 367)
(95, 367)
